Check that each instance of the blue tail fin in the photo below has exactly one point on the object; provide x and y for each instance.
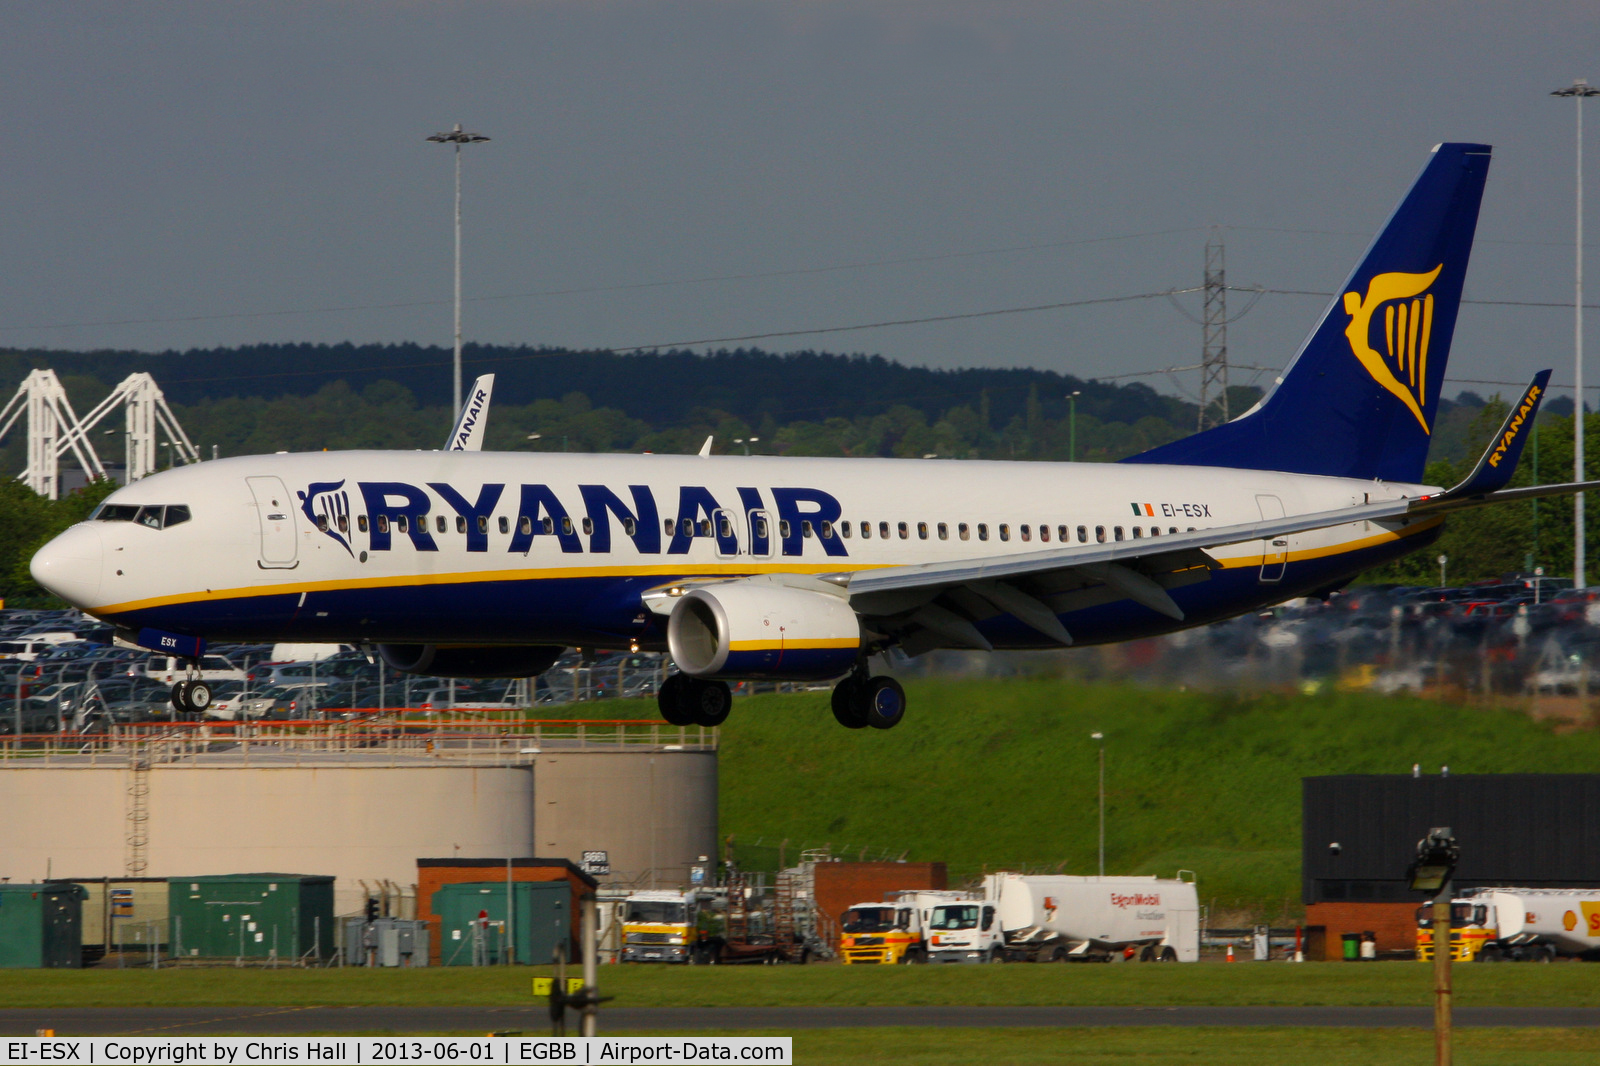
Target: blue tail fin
(1358, 399)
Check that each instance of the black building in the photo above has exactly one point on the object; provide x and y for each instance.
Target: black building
(1360, 831)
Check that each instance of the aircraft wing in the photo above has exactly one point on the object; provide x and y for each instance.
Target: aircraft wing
(942, 600)
(932, 604)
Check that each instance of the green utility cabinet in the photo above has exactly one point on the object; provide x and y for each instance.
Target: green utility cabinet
(540, 919)
(41, 926)
(251, 916)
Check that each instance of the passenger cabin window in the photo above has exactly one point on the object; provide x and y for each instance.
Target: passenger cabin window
(1137, 532)
(1005, 531)
(402, 523)
(483, 523)
(525, 526)
(1155, 531)
(1044, 533)
(783, 528)
(905, 531)
(505, 524)
(983, 531)
(629, 526)
(827, 530)
(944, 531)
(705, 527)
(588, 526)
(361, 523)
(439, 523)
(344, 522)
(461, 523)
(1083, 534)
(566, 526)
(922, 531)
(548, 524)
(844, 527)
(962, 531)
(805, 528)
(1100, 534)
(322, 522)
(666, 526)
(883, 530)
(761, 528)
(1027, 534)
(1118, 531)
(688, 528)
(866, 531)
(1063, 534)
(725, 527)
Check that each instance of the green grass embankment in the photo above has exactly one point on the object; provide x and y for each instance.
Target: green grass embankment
(1204, 984)
(1001, 774)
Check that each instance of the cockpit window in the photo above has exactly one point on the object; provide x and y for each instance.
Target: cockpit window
(152, 516)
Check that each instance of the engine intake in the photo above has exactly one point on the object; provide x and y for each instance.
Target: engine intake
(481, 661)
(763, 632)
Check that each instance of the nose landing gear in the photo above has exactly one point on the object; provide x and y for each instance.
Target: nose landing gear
(191, 697)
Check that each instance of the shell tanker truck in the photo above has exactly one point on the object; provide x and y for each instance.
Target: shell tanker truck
(1517, 924)
(659, 927)
(890, 931)
(1022, 918)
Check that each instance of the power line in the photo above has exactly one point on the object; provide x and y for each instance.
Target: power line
(635, 286)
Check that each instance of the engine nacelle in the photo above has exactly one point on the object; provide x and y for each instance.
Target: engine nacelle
(763, 631)
(487, 660)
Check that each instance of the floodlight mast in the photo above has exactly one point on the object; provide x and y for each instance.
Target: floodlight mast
(1578, 91)
(457, 137)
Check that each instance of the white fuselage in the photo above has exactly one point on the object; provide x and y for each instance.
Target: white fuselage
(509, 548)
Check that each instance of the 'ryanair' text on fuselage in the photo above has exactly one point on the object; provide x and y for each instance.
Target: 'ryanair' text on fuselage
(780, 520)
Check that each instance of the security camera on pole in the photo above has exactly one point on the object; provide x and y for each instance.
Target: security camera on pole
(1431, 872)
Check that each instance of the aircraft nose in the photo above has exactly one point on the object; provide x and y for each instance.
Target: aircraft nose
(70, 565)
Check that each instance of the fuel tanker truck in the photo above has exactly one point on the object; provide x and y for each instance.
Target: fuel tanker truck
(1023, 918)
(1517, 924)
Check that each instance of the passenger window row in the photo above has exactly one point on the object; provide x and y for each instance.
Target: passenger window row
(723, 528)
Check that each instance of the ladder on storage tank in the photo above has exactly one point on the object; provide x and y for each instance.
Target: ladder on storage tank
(138, 809)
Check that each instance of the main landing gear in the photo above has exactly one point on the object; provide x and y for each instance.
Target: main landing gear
(191, 697)
(686, 700)
(860, 701)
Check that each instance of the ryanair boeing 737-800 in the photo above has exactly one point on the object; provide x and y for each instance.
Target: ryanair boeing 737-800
(469, 563)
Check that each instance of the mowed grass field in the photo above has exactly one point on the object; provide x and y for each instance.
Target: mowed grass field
(1205, 984)
(1001, 774)
(1191, 1047)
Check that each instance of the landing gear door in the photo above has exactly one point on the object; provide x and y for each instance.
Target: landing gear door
(1274, 551)
(275, 513)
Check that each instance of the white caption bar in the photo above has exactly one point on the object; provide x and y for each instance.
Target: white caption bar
(369, 1051)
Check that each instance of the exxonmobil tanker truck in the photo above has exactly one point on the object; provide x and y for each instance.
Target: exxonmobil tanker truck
(1517, 924)
(1024, 918)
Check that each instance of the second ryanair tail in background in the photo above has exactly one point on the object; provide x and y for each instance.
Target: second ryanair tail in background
(1358, 399)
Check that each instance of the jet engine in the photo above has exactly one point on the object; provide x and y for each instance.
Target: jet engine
(477, 661)
(754, 629)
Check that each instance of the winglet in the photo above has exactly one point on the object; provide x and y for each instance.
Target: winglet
(705, 449)
(468, 434)
(1499, 462)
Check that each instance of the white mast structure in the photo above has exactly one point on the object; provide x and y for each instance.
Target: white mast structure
(54, 429)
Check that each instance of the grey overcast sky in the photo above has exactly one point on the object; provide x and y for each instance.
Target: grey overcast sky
(198, 174)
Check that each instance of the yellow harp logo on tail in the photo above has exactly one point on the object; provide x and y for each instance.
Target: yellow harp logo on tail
(1404, 331)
